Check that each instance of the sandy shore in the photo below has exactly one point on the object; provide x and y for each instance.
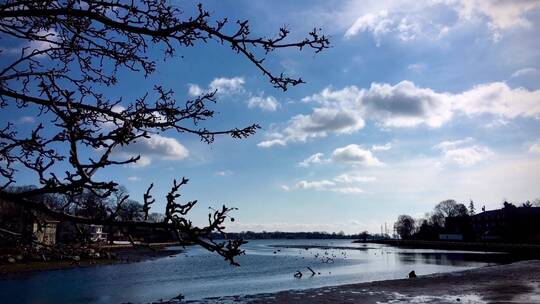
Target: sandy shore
(512, 283)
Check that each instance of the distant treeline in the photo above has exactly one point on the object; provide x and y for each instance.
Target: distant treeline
(251, 235)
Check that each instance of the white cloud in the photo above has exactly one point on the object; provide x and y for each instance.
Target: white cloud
(497, 122)
(535, 148)
(111, 123)
(227, 85)
(224, 173)
(133, 178)
(407, 21)
(354, 154)
(499, 99)
(317, 158)
(27, 120)
(452, 144)
(320, 123)
(351, 178)
(384, 147)
(524, 72)
(416, 67)
(155, 147)
(51, 38)
(314, 185)
(271, 143)
(268, 103)
(402, 24)
(462, 153)
(326, 185)
(501, 14)
(347, 190)
(194, 90)
(404, 104)
(376, 23)
(223, 86)
(343, 183)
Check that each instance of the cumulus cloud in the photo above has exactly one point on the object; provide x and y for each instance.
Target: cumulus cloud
(351, 154)
(319, 123)
(227, 85)
(317, 158)
(499, 99)
(376, 23)
(268, 103)
(222, 85)
(355, 154)
(404, 104)
(463, 152)
(154, 147)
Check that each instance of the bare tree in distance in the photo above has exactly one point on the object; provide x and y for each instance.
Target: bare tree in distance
(405, 226)
(68, 53)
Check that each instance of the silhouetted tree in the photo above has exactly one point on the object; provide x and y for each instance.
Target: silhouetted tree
(472, 210)
(450, 208)
(71, 52)
(508, 206)
(404, 226)
(527, 204)
(364, 235)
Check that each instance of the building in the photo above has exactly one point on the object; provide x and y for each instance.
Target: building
(45, 231)
(509, 224)
(96, 233)
(26, 223)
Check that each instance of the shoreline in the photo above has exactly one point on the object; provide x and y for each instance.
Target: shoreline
(520, 249)
(517, 282)
(124, 254)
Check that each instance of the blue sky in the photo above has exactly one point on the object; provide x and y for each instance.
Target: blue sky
(415, 103)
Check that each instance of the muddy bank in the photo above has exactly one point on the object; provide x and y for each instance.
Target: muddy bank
(512, 283)
(117, 255)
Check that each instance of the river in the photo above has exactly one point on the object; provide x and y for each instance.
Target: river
(267, 266)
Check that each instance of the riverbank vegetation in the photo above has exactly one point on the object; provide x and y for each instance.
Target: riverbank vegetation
(452, 221)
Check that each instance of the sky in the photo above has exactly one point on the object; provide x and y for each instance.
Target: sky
(414, 103)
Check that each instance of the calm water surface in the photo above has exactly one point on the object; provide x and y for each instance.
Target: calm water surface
(199, 274)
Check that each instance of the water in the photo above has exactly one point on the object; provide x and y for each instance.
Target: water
(199, 274)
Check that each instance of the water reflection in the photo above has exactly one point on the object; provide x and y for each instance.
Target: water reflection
(268, 266)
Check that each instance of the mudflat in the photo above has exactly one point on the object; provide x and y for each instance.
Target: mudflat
(511, 283)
